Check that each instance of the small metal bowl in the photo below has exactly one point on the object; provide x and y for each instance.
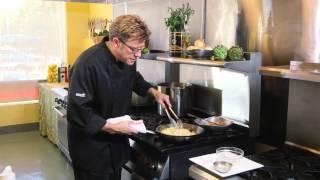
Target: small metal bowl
(222, 166)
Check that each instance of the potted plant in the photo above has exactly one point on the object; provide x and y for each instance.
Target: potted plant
(176, 23)
(179, 18)
(98, 29)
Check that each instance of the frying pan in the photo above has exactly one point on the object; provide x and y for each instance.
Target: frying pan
(214, 123)
(179, 139)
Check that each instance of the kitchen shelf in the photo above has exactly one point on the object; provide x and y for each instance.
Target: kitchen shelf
(251, 64)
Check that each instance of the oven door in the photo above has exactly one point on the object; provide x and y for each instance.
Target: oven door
(144, 165)
(62, 130)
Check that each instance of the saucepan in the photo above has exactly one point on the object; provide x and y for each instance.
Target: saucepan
(180, 97)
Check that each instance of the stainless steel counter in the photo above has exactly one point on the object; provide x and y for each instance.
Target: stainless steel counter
(306, 72)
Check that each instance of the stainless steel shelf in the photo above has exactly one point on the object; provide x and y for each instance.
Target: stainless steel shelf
(191, 61)
(250, 64)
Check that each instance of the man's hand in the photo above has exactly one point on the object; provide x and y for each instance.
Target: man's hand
(161, 98)
(123, 127)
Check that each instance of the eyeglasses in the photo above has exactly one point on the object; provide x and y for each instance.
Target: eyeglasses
(133, 49)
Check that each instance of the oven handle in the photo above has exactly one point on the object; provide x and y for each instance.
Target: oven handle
(59, 112)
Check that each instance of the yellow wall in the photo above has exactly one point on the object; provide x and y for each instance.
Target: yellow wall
(19, 114)
(102, 11)
(77, 18)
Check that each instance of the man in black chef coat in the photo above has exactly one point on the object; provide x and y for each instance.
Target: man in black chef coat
(101, 84)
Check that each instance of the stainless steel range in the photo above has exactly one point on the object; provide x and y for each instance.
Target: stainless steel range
(60, 108)
(287, 162)
(154, 158)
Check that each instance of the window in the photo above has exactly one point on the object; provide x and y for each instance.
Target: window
(32, 35)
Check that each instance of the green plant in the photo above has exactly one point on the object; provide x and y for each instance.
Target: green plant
(220, 52)
(235, 53)
(98, 27)
(101, 33)
(179, 18)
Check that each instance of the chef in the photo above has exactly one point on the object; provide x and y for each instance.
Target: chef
(100, 89)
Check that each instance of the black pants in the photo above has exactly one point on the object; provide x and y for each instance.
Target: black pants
(81, 174)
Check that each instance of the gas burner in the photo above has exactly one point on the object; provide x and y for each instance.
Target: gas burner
(286, 163)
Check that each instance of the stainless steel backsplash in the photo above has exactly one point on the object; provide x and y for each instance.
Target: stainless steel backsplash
(282, 30)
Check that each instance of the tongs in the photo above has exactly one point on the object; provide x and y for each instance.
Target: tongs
(177, 123)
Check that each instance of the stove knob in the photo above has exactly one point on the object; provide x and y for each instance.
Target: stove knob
(59, 101)
(155, 166)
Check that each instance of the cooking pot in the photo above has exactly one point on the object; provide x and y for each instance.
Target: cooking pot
(180, 97)
(180, 139)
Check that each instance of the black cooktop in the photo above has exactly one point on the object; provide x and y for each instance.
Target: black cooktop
(157, 144)
(286, 163)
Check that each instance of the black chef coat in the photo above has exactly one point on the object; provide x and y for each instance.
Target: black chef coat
(100, 88)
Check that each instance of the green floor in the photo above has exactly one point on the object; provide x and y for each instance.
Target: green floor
(33, 157)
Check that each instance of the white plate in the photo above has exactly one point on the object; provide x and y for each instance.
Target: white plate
(243, 165)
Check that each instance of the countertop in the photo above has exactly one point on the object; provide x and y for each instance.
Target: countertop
(305, 71)
(53, 85)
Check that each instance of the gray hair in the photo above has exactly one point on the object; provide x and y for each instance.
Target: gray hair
(128, 26)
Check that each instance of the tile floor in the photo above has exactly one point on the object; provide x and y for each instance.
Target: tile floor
(33, 157)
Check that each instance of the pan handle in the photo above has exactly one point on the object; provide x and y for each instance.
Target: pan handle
(150, 132)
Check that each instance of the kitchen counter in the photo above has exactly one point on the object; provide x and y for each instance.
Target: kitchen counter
(48, 119)
(302, 123)
(306, 72)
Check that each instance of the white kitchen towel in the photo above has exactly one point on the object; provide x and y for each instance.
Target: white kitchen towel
(140, 127)
(7, 174)
(119, 119)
